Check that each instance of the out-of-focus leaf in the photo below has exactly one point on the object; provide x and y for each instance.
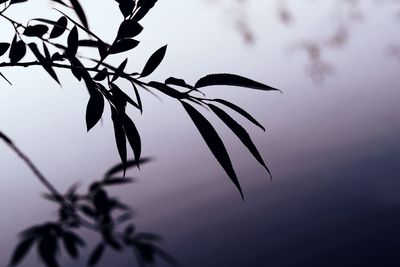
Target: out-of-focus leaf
(214, 142)
(240, 132)
(21, 251)
(70, 245)
(17, 50)
(154, 61)
(133, 137)
(129, 29)
(79, 11)
(122, 46)
(117, 181)
(232, 80)
(48, 248)
(240, 111)
(3, 48)
(95, 108)
(129, 164)
(96, 254)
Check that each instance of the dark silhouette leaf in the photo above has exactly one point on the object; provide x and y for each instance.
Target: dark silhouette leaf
(133, 137)
(43, 60)
(36, 30)
(94, 110)
(214, 142)
(240, 111)
(70, 245)
(144, 7)
(178, 82)
(154, 61)
(48, 248)
(59, 28)
(3, 48)
(120, 138)
(100, 76)
(167, 90)
(129, 29)
(88, 43)
(240, 132)
(72, 42)
(79, 11)
(21, 251)
(96, 254)
(120, 70)
(129, 164)
(232, 80)
(122, 46)
(120, 98)
(126, 7)
(17, 50)
(138, 99)
(117, 181)
(4, 77)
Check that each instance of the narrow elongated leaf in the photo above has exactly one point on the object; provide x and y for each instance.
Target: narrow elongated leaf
(120, 137)
(43, 60)
(138, 99)
(3, 48)
(129, 29)
(21, 251)
(178, 82)
(4, 77)
(167, 90)
(232, 80)
(154, 61)
(214, 142)
(240, 111)
(132, 134)
(73, 43)
(129, 164)
(122, 46)
(79, 11)
(17, 50)
(70, 245)
(48, 248)
(95, 108)
(120, 98)
(120, 70)
(100, 76)
(240, 132)
(96, 254)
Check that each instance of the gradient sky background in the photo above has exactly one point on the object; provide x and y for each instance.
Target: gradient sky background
(332, 146)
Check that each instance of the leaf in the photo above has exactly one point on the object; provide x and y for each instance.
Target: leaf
(138, 99)
(214, 142)
(122, 46)
(232, 80)
(154, 61)
(240, 132)
(43, 60)
(36, 30)
(144, 7)
(96, 254)
(79, 11)
(119, 70)
(4, 77)
(240, 111)
(73, 42)
(59, 28)
(129, 164)
(120, 138)
(47, 250)
(120, 98)
(178, 82)
(167, 90)
(94, 110)
(129, 29)
(21, 251)
(70, 244)
(100, 76)
(117, 181)
(17, 50)
(133, 137)
(3, 48)
(126, 7)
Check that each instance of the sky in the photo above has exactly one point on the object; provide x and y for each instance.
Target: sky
(331, 143)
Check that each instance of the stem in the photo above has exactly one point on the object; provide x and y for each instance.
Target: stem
(31, 166)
